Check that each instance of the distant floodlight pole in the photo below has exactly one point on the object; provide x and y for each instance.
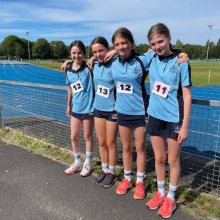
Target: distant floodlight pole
(88, 49)
(207, 56)
(29, 54)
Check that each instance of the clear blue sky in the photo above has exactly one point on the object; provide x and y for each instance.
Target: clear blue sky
(69, 20)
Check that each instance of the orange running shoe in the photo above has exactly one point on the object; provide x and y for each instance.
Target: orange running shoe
(139, 192)
(156, 201)
(123, 187)
(167, 208)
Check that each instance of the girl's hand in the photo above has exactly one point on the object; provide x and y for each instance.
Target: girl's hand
(90, 62)
(64, 65)
(183, 135)
(110, 55)
(68, 111)
(183, 57)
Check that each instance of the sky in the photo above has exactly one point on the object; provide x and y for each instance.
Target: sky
(71, 20)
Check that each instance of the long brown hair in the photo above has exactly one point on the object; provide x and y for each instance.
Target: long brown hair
(124, 33)
(80, 45)
(158, 29)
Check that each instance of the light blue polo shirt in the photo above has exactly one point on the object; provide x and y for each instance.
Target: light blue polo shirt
(129, 77)
(104, 87)
(81, 83)
(167, 78)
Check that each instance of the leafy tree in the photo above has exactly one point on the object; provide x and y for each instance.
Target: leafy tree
(58, 49)
(89, 52)
(41, 49)
(19, 51)
(12, 46)
(218, 49)
(194, 51)
(1, 50)
(178, 44)
(25, 43)
(9, 45)
(142, 48)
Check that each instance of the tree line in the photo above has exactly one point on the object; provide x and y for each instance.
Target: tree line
(13, 47)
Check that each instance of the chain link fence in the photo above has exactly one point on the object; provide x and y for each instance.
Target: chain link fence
(38, 110)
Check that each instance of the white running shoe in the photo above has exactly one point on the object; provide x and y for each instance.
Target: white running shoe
(74, 168)
(87, 170)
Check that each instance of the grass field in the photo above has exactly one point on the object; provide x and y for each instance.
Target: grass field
(200, 71)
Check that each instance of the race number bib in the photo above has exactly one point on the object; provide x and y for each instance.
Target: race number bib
(103, 91)
(77, 87)
(161, 89)
(124, 88)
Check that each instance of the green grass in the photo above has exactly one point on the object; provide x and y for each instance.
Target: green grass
(47, 64)
(38, 146)
(191, 201)
(198, 204)
(199, 72)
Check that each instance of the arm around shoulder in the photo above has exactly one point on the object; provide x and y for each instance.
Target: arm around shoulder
(64, 65)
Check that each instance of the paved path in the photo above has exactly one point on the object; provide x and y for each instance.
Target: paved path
(33, 187)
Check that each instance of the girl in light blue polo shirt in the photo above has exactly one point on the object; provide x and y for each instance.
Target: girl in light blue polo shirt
(169, 112)
(80, 107)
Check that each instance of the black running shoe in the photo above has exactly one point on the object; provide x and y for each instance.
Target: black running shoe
(108, 180)
(100, 177)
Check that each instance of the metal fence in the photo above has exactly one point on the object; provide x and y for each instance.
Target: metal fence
(39, 111)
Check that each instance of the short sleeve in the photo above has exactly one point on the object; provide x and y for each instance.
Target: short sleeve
(185, 72)
(146, 58)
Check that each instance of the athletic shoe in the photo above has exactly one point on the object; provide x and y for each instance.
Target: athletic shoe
(108, 180)
(156, 201)
(167, 208)
(100, 177)
(123, 187)
(139, 192)
(87, 170)
(74, 168)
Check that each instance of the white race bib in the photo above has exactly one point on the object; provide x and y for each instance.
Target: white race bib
(103, 91)
(77, 87)
(124, 88)
(161, 89)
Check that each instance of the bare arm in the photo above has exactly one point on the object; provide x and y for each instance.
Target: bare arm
(90, 62)
(64, 65)
(183, 134)
(110, 55)
(69, 101)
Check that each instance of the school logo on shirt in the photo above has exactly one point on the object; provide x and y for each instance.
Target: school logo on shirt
(109, 74)
(173, 69)
(136, 70)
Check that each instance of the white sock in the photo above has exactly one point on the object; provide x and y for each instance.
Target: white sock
(161, 187)
(127, 175)
(88, 157)
(105, 167)
(77, 158)
(140, 177)
(111, 169)
(171, 192)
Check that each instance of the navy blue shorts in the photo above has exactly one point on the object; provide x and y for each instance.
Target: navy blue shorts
(157, 127)
(83, 116)
(109, 116)
(131, 120)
